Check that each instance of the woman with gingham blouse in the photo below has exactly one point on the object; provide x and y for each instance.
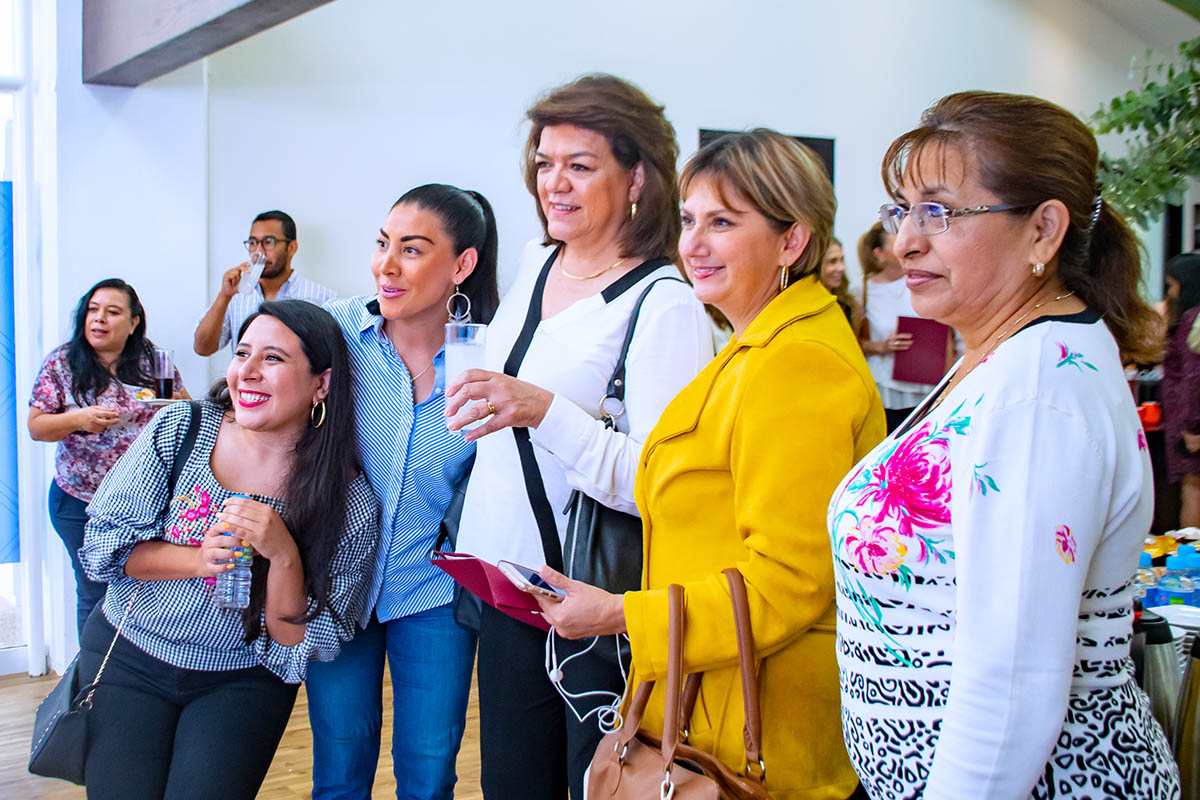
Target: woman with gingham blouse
(195, 697)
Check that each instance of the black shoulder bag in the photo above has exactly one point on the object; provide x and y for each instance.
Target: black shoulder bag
(59, 742)
(603, 546)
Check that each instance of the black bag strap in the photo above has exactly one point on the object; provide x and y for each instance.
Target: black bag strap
(616, 384)
(185, 447)
(534, 487)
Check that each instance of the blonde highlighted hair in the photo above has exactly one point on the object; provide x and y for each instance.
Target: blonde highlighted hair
(781, 178)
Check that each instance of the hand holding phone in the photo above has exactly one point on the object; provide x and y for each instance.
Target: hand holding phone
(528, 580)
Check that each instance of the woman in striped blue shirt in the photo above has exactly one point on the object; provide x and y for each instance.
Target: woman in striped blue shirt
(437, 240)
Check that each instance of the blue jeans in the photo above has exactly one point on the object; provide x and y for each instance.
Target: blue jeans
(430, 660)
(68, 515)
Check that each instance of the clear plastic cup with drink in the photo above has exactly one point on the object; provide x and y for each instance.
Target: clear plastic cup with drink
(465, 342)
(249, 279)
(164, 373)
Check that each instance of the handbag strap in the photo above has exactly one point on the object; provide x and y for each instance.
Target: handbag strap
(185, 448)
(616, 383)
(750, 701)
(542, 513)
(641, 696)
(534, 486)
(177, 464)
(87, 701)
(675, 629)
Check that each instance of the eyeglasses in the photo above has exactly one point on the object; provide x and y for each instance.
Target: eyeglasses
(266, 242)
(931, 218)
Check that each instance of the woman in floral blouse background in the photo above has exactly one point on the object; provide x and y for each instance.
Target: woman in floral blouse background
(983, 552)
(83, 399)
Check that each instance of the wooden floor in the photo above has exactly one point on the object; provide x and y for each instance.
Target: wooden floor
(288, 779)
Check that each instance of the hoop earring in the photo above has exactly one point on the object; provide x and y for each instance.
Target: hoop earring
(458, 316)
(312, 415)
(783, 277)
(633, 209)
(1039, 269)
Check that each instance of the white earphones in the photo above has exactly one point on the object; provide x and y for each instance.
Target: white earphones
(608, 713)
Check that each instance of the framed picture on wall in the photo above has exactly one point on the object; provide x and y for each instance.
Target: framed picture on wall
(822, 147)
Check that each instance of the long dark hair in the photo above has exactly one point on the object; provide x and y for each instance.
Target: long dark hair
(323, 464)
(89, 377)
(1185, 269)
(468, 219)
(1027, 150)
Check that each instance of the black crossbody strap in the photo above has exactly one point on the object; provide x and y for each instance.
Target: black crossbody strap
(542, 513)
(185, 448)
(534, 487)
(616, 384)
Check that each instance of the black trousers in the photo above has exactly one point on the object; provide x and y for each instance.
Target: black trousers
(531, 745)
(158, 731)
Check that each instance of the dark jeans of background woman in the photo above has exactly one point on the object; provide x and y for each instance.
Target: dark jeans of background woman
(68, 515)
(158, 731)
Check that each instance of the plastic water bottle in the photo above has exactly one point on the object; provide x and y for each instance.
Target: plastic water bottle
(1191, 571)
(1145, 582)
(233, 585)
(1174, 587)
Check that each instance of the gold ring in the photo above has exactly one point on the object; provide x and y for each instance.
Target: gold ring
(491, 408)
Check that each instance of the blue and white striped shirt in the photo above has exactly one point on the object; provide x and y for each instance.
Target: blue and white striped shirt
(243, 305)
(411, 460)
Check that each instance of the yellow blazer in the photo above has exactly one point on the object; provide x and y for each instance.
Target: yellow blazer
(739, 472)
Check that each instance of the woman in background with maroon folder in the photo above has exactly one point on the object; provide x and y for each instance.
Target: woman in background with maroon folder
(885, 299)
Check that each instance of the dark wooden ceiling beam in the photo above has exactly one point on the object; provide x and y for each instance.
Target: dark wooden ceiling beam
(129, 42)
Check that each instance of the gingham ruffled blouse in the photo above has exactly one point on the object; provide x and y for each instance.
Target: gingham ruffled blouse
(177, 621)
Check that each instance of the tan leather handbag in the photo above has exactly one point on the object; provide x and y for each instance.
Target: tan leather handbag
(631, 764)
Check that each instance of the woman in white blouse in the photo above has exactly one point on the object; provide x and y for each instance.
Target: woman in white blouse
(600, 162)
(983, 553)
(886, 298)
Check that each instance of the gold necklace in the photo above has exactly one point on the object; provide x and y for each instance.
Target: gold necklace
(1000, 337)
(417, 377)
(574, 277)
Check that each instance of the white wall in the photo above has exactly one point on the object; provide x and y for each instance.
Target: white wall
(336, 113)
(131, 194)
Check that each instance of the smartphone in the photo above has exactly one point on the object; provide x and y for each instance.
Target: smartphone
(528, 580)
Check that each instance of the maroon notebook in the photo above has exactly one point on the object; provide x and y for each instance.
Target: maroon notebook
(488, 583)
(925, 361)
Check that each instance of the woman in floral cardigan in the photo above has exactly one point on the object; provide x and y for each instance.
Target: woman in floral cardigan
(983, 552)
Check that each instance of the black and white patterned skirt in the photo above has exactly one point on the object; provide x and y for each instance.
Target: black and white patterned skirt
(1110, 747)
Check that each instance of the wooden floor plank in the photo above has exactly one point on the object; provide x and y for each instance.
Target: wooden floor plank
(288, 779)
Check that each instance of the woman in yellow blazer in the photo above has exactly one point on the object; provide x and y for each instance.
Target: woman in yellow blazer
(741, 466)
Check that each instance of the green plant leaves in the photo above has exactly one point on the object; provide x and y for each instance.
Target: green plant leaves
(1162, 120)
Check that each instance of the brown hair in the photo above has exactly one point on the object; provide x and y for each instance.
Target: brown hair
(781, 178)
(867, 244)
(637, 132)
(1027, 150)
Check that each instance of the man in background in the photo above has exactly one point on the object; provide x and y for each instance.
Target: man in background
(273, 233)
